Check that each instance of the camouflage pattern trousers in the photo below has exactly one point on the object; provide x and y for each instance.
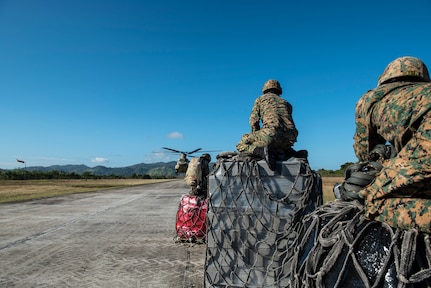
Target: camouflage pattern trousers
(400, 195)
(280, 142)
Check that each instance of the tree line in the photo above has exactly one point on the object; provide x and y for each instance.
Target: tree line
(22, 174)
(335, 173)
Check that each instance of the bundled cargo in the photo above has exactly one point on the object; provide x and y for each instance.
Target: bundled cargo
(338, 247)
(191, 219)
(253, 217)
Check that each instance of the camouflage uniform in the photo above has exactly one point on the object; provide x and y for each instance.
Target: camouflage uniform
(278, 128)
(197, 175)
(398, 111)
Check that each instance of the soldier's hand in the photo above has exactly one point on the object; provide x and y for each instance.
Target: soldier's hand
(247, 139)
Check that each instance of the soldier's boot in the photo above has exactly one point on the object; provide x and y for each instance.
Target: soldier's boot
(301, 154)
(293, 153)
(266, 153)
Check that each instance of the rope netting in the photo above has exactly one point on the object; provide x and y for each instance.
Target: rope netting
(191, 219)
(253, 217)
(338, 247)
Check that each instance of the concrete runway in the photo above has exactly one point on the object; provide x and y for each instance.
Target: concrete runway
(114, 238)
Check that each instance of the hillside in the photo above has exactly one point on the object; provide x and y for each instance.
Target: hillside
(153, 169)
(159, 169)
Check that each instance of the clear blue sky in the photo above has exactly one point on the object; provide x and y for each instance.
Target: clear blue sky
(103, 82)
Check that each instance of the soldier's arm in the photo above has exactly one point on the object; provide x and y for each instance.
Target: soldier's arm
(360, 143)
(361, 136)
(255, 117)
(366, 136)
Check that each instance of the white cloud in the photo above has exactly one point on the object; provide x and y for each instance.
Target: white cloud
(175, 135)
(99, 160)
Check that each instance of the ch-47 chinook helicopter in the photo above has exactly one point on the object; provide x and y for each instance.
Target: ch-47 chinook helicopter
(183, 162)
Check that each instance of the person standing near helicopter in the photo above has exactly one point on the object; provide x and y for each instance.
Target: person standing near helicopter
(274, 140)
(197, 175)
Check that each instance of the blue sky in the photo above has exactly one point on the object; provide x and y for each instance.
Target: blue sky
(103, 82)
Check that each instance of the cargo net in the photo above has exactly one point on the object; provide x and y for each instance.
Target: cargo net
(337, 247)
(253, 217)
(191, 219)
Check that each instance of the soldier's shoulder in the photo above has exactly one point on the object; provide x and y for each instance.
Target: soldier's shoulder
(426, 86)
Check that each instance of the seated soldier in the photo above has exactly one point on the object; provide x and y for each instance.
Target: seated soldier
(398, 112)
(274, 140)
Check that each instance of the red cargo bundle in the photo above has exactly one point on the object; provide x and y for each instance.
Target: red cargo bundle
(191, 218)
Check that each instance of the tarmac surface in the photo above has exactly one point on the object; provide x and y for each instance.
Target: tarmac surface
(114, 238)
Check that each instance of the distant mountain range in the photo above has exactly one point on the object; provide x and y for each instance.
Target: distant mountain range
(153, 169)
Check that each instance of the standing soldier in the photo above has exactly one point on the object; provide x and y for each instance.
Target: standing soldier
(274, 140)
(197, 175)
(398, 111)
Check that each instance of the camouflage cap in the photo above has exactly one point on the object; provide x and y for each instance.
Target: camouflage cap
(405, 66)
(272, 84)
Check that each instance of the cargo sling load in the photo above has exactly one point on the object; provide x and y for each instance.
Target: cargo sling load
(253, 216)
(190, 221)
(337, 247)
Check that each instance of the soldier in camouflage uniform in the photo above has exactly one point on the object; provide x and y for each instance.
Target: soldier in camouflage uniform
(398, 111)
(278, 130)
(197, 175)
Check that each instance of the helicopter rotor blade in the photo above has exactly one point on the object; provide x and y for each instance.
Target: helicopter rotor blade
(173, 150)
(189, 153)
(194, 151)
